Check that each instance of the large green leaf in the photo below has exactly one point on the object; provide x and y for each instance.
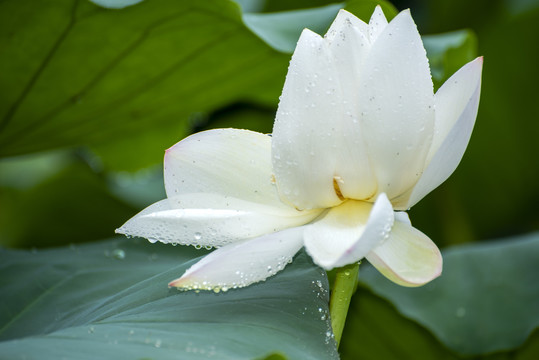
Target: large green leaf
(486, 299)
(110, 300)
(122, 79)
(375, 330)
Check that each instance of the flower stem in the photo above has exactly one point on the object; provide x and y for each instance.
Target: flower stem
(343, 288)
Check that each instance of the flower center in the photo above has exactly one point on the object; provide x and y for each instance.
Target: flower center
(336, 187)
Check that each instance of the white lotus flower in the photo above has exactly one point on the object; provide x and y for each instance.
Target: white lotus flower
(359, 137)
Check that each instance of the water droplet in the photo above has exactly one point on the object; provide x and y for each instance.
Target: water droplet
(118, 254)
(198, 236)
(91, 330)
(157, 343)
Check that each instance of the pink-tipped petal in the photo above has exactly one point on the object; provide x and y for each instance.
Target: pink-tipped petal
(408, 257)
(242, 263)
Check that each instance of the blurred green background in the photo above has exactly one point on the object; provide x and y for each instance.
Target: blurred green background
(90, 98)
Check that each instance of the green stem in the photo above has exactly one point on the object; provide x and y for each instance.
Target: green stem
(343, 288)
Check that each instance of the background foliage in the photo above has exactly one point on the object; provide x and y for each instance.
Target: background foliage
(91, 97)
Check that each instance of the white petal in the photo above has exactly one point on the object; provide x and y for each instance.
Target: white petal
(316, 137)
(352, 171)
(408, 257)
(342, 24)
(229, 162)
(377, 23)
(348, 232)
(243, 263)
(402, 217)
(457, 102)
(211, 220)
(396, 105)
(453, 98)
(304, 168)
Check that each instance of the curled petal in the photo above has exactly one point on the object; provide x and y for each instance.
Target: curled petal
(211, 220)
(408, 257)
(348, 232)
(243, 263)
(457, 102)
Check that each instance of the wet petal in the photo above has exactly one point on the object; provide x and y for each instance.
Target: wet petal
(304, 166)
(229, 162)
(348, 232)
(396, 105)
(408, 257)
(457, 102)
(211, 220)
(243, 263)
(377, 23)
(316, 137)
(352, 170)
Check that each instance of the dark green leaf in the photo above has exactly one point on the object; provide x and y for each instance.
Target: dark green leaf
(485, 300)
(106, 298)
(132, 86)
(375, 330)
